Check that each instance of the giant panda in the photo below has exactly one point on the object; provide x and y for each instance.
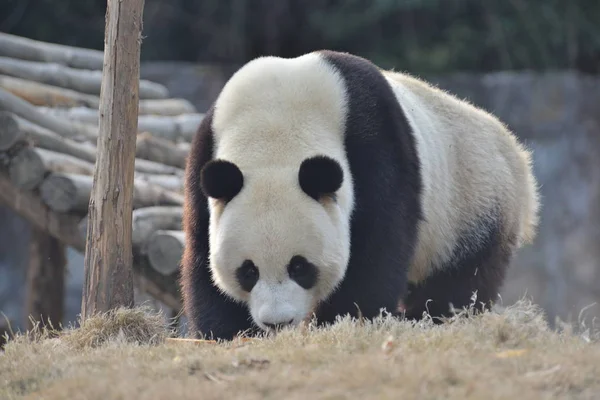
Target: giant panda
(322, 186)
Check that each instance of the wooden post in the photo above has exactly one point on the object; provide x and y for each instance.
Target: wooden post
(45, 280)
(108, 259)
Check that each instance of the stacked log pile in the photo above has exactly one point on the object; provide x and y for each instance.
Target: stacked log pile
(49, 97)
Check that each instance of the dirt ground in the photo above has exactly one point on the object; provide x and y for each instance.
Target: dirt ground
(509, 354)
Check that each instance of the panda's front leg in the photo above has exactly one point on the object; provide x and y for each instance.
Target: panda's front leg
(211, 314)
(383, 243)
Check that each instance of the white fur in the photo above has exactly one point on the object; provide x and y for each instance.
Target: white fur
(267, 124)
(470, 163)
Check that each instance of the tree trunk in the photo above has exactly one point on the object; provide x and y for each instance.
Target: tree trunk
(45, 280)
(108, 258)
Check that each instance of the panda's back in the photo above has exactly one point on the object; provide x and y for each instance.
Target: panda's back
(476, 176)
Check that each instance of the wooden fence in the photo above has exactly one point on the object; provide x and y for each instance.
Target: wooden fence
(49, 98)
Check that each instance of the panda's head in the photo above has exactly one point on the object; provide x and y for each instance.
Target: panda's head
(279, 188)
(278, 239)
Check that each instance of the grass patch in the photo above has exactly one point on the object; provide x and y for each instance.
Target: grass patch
(126, 355)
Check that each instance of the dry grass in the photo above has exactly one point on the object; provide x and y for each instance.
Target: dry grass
(506, 355)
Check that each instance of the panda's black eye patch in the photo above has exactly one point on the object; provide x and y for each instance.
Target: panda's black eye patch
(304, 273)
(320, 176)
(247, 275)
(221, 179)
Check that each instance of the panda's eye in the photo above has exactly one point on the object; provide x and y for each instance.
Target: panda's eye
(247, 275)
(303, 272)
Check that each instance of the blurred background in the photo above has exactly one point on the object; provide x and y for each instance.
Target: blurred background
(533, 63)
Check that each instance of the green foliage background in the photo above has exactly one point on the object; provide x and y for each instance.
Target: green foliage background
(417, 35)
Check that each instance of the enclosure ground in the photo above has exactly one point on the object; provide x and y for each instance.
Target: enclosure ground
(502, 355)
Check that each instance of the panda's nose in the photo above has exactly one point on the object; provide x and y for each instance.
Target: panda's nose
(278, 325)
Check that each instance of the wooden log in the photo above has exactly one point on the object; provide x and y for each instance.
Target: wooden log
(15, 130)
(184, 146)
(44, 293)
(73, 130)
(67, 193)
(173, 128)
(64, 227)
(31, 165)
(165, 249)
(166, 107)
(64, 192)
(180, 128)
(147, 220)
(35, 50)
(83, 81)
(43, 95)
(169, 182)
(160, 150)
(32, 209)
(40, 94)
(152, 167)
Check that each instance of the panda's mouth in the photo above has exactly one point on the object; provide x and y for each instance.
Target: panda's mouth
(279, 326)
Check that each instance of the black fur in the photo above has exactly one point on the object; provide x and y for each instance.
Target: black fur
(319, 176)
(247, 275)
(387, 184)
(477, 267)
(221, 179)
(303, 272)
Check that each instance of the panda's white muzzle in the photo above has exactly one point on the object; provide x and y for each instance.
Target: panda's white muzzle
(277, 305)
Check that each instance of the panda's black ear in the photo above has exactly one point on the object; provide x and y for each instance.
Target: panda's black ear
(320, 176)
(221, 180)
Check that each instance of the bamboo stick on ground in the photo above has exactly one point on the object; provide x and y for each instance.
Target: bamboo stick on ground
(81, 80)
(165, 249)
